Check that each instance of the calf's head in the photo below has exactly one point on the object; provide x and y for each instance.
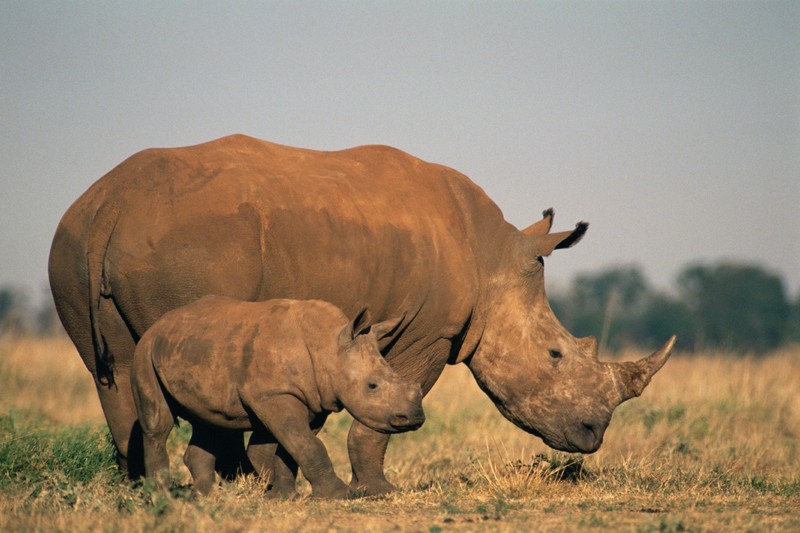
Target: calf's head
(367, 386)
(541, 378)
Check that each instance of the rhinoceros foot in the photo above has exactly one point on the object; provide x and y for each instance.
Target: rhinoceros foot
(334, 489)
(374, 487)
(278, 493)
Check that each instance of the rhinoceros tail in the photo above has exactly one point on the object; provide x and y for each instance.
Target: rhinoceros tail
(99, 236)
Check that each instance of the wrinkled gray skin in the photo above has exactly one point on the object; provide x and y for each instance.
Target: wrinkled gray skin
(369, 226)
(277, 368)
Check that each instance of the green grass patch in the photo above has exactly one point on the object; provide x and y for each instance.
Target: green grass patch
(31, 455)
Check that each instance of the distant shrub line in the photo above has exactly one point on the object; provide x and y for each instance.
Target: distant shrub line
(730, 307)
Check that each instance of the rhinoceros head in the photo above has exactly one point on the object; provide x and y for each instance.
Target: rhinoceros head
(367, 386)
(543, 379)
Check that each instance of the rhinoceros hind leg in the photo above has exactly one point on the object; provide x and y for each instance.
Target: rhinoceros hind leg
(120, 413)
(231, 456)
(116, 395)
(284, 477)
(155, 419)
(271, 460)
(200, 458)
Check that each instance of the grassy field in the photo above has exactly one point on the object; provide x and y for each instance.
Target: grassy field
(713, 444)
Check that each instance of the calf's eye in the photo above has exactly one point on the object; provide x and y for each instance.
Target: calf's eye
(372, 386)
(556, 354)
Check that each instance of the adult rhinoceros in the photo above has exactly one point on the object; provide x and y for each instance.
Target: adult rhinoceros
(365, 227)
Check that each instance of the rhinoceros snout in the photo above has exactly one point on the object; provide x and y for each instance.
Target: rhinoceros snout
(412, 416)
(403, 422)
(585, 437)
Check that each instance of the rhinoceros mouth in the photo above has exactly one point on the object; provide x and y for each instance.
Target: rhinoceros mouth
(396, 424)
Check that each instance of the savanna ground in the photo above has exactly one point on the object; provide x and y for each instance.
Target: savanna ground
(712, 444)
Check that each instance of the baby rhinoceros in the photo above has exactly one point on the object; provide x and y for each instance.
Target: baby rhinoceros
(278, 368)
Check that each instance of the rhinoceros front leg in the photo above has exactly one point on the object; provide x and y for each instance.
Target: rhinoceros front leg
(367, 449)
(287, 418)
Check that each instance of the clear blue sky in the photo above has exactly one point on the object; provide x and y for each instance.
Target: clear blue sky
(672, 127)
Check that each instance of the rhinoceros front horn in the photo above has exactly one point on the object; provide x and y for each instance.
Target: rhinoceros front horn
(635, 376)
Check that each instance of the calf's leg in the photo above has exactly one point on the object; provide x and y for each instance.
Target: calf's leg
(200, 457)
(155, 417)
(367, 448)
(287, 418)
(271, 461)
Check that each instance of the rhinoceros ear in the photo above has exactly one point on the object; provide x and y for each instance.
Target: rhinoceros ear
(360, 324)
(543, 226)
(387, 327)
(543, 245)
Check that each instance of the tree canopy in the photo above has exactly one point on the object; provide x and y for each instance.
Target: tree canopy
(730, 306)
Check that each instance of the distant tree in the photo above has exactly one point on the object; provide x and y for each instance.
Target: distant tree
(662, 317)
(603, 304)
(793, 325)
(13, 310)
(7, 301)
(626, 285)
(46, 319)
(736, 306)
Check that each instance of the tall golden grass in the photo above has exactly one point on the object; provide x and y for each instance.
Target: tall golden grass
(712, 444)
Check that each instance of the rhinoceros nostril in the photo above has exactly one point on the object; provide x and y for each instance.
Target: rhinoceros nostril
(594, 436)
(402, 422)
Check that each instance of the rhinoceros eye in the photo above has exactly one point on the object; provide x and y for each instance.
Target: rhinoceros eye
(555, 354)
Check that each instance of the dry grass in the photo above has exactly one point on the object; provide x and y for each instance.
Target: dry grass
(47, 377)
(711, 445)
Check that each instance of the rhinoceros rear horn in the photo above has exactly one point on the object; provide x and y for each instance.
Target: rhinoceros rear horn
(636, 376)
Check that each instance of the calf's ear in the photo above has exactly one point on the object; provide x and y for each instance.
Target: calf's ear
(358, 325)
(362, 322)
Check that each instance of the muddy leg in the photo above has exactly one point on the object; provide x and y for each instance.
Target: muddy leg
(367, 450)
(284, 480)
(155, 418)
(231, 456)
(120, 413)
(117, 397)
(287, 418)
(200, 458)
(269, 460)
